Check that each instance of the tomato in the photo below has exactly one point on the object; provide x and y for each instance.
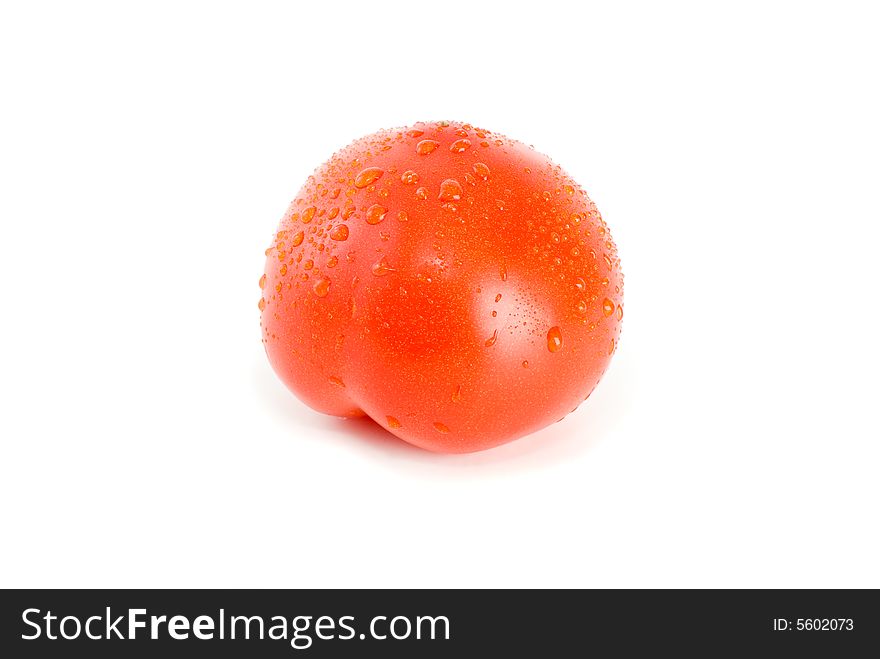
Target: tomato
(453, 284)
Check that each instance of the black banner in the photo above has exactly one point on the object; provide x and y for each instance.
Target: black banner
(436, 623)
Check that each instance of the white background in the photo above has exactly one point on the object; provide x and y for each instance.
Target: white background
(147, 151)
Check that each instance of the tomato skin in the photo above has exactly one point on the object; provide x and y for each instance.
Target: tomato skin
(453, 284)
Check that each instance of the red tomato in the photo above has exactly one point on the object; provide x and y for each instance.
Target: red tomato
(453, 284)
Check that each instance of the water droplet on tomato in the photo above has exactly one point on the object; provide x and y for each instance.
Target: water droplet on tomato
(336, 381)
(607, 307)
(321, 287)
(409, 177)
(498, 298)
(263, 281)
(308, 214)
(426, 146)
(367, 176)
(422, 193)
(339, 232)
(460, 146)
(392, 422)
(376, 214)
(608, 261)
(492, 339)
(481, 170)
(619, 312)
(525, 363)
(402, 216)
(456, 395)
(554, 339)
(450, 190)
(441, 427)
(381, 268)
(262, 304)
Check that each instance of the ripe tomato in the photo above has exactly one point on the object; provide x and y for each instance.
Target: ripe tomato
(453, 284)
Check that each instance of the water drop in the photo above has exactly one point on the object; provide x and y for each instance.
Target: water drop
(525, 363)
(498, 298)
(500, 204)
(262, 304)
(608, 261)
(263, 281)
(339, 232)
(456, 395)
(619, 312)
(336, 381)
(409, 177)
(503, 271)
(415, 133)
(422, 193)
(569, 190)
(392, 422)
(450, 190)
(582, 307)
(308, 214)
(376, 214)
(321, 287)
(481, 170)
(441, 427)
(492, 339)
(554, 339)
(607, 307)
(425, 147)
(367, 176)
(460, 146)
(402, 216)
(381, 268)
